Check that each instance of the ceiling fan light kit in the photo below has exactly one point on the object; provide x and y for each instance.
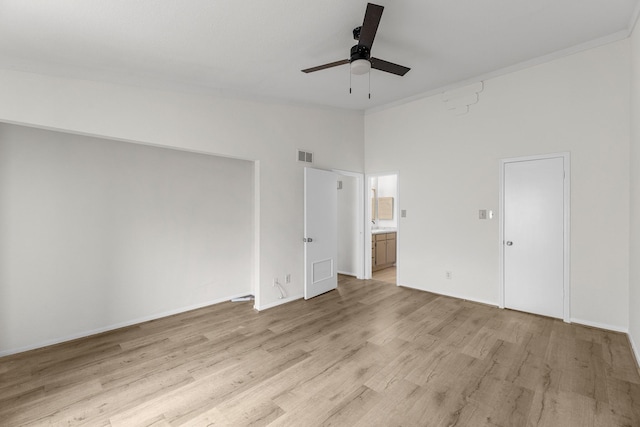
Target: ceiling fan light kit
(360, 59)
(360, 67)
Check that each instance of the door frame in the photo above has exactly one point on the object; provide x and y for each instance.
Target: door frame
(566, 156)
(360, 218)
(257, 292)
(367, 224)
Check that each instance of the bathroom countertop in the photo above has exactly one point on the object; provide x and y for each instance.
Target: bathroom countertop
(383, 230)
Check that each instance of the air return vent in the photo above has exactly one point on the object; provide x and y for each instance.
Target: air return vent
(305, 156)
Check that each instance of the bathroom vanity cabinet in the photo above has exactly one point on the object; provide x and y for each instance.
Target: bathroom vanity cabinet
(383, 250)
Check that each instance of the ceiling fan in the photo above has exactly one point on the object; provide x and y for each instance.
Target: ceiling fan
(360, 58)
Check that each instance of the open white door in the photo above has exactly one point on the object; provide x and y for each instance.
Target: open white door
(320, 232)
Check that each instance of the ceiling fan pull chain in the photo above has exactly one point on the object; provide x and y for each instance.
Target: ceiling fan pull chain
(349, 82)
(369, 84)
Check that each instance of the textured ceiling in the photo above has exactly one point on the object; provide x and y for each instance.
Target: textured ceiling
(257, 48)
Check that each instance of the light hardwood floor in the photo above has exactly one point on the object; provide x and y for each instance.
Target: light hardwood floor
(387, 275)
(367, 354)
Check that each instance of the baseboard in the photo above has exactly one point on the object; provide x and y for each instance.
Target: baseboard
(464, 298)
(346, 273)
(635, 350)
(116, 326)
(600, 325)
(278, 302)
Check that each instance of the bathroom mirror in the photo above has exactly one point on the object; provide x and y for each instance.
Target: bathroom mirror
(385, 207)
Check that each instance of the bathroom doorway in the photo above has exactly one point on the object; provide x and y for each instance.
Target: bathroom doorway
(382, 224)
(350, 224)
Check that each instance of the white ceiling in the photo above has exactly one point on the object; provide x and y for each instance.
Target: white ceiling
(256, 48)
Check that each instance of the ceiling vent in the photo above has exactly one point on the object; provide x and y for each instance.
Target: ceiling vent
(305, 156)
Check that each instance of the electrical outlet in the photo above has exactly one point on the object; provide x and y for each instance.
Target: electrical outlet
(287, 279)
(448, 275)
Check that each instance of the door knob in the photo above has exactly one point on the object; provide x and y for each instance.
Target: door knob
(509, 243)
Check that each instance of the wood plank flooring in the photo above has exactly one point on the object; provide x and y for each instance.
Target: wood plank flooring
(367, 354)
(387, 275)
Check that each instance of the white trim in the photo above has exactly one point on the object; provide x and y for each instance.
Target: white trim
(599, 325)
(451, 295)
(360, 219)
(398, 213)
(256, 235)
(592, 44)
(279, 302)
(634, 20)
(115, 326)
(566, 156)
(347, 273)
(501, 235)
(636, 351)
(367, 211)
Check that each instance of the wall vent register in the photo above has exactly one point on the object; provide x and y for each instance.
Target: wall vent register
(305, 156)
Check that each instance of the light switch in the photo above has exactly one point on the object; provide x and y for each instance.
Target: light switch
(403, 213)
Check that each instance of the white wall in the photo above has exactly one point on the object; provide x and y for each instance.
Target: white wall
(98, 234)
(347, 226)
(448, 164)
(267, 132)
(449, 170)
(634, 279)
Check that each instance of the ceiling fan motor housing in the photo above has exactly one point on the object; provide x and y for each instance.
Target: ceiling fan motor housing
(359, 52)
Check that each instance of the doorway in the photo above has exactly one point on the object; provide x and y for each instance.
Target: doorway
(382, 224)
(350, 224)
(534, 227)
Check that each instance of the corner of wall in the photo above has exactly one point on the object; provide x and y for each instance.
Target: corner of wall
(635, 350)
(634, 202)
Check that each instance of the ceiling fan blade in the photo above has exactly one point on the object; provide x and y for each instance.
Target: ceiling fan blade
(370, 25)
(389, 67)
(329, 65)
